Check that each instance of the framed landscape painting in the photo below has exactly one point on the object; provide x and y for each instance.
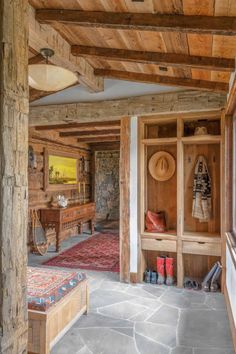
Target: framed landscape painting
(61, 171)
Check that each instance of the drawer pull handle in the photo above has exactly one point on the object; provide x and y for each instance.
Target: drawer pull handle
(157, 239)
(201, 243)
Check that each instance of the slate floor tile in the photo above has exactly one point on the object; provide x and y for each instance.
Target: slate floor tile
(100, 298)
(214, 351)
(204, 329)
(107, 341)
(162, 334)
(97, 320)
(175, 299)
(147, 346)
(122, 310)
(165, 315)
(182, 350)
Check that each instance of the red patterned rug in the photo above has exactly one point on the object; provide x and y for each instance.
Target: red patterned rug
(100, 252)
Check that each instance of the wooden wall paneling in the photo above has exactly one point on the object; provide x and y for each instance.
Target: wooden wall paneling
(125, 200)
(161, 196)
(212, 154)
(14, 108)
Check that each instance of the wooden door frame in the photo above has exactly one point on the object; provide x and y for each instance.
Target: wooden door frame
(125, 199)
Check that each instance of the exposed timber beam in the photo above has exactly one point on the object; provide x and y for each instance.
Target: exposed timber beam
(219, 25)
(166, 59)
(164, 80)
(99, 139)
(41, 36)
(37, 94)
(93, 112)
(37, 59)
(115, 132)
(95, 125)
(231, 99)
(105, 146)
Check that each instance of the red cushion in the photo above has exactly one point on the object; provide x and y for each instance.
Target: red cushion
(155, 221)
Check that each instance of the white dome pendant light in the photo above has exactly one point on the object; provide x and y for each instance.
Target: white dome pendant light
(47, 77)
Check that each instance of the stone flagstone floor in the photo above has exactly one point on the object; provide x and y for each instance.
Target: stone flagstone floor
(145, 319)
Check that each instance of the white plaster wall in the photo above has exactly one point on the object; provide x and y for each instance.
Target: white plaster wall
(134, 195)
(231, 282)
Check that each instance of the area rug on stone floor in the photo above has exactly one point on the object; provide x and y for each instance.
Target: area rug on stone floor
(100, 252)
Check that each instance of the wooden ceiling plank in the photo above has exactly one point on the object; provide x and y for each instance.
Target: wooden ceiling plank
(99, 139)
(163, 80)
(114, 132)
(166, 59)
(45, 36)
(222, 25)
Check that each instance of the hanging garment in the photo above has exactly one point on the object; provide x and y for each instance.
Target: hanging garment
(201, 191)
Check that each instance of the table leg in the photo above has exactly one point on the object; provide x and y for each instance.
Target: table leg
(58, 240)
(92, 226)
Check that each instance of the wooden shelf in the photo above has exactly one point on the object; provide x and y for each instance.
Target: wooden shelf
(194, 251)
(201, 237)
(159, 141)
(170, 235)
(202, 139)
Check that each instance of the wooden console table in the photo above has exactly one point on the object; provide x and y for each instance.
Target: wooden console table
(63, 219)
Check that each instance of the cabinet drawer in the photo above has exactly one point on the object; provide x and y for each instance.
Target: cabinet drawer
(159, 245)
(204, 248)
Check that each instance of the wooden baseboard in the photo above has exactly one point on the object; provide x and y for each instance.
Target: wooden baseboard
(133, 278)
(231, 318)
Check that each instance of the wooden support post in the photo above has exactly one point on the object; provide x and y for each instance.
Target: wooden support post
(125, 200)
(14, 107)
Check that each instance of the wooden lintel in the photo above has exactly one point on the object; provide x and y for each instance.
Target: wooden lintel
(166, 59)
(105, 111)
(219, 25)
(94, 133)
(99, 139)
(163, 80)
(94, 125)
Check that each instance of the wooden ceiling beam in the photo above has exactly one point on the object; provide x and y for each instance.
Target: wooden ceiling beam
(163, 80)
(99, 139)
(35, 95)
(37, 59)
(166, 59)
(44, 36)
(110, 132)
(112, 146)
(184, 101)
(94, 125)
(219, 25)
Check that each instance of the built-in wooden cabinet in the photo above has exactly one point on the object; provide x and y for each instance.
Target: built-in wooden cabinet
(194, 245)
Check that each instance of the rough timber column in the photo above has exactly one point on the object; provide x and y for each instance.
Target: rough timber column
(13, 174)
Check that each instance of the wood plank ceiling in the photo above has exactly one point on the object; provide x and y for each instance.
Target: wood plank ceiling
(187, 44)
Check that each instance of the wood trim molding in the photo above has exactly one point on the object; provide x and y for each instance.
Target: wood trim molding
(159, 58)
(133, 278)
(179, 102)
(231, 318)
(124, 200)
(220, 25)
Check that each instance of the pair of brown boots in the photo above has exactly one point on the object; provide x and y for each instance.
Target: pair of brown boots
(165, 270)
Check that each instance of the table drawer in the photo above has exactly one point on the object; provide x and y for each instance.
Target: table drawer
(202, 248)
(159, 245)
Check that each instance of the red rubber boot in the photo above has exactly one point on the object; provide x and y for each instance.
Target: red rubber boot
(169, 271)
(161, 270)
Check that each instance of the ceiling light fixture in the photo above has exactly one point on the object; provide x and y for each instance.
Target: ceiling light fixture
(48, 77)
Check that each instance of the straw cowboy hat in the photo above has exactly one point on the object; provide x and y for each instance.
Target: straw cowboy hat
(161, 166)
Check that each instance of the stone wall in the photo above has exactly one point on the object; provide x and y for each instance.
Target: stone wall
(107, 185)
